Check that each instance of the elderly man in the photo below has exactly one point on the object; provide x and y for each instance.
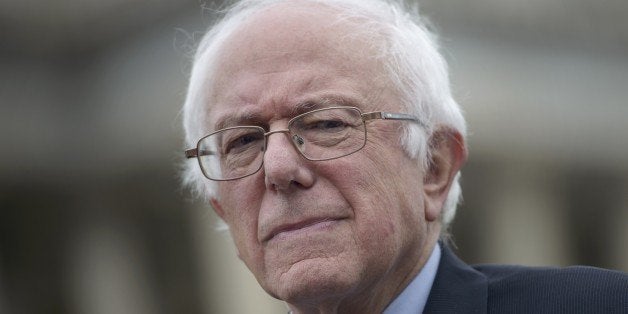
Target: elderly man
(328, 141)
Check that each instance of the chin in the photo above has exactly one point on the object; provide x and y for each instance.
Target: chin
(312, 280)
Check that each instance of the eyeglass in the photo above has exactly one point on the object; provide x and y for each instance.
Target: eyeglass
(322, 134)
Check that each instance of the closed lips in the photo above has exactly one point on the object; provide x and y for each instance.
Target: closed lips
(302, 225)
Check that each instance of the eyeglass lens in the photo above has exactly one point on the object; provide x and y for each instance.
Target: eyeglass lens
(318, 135)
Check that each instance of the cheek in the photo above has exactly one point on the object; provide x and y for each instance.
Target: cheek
(240, 200)
(241, 215)
(385, 194)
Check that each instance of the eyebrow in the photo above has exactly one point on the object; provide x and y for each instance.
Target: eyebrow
(238, 119)
(249, 117)
(322, 102)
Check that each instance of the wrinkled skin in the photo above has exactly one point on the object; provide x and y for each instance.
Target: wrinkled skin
(344, 235)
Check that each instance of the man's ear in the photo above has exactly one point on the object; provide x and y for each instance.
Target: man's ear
(217, 208)
(448, 154)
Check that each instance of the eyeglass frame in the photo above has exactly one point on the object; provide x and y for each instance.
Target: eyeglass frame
(368, 116)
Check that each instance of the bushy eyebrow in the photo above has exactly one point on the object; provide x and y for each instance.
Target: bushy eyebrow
(238, 119)
(250, 117)
(322, 102)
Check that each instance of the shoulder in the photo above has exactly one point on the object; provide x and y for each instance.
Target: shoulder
(462, 288)
(545, 289)
(573, 278)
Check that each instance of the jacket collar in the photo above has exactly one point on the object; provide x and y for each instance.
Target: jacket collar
(457, 288)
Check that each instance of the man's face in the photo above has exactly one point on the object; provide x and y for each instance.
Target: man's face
(344, 228)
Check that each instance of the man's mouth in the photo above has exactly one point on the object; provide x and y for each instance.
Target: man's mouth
(301, 228)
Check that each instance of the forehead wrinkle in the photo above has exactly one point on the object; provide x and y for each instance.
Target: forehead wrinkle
(248, 116)
(328, 100)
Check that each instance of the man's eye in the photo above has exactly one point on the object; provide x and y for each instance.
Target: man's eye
(243, 142)
(328, 125)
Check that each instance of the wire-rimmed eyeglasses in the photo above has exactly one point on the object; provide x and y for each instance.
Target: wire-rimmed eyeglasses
(322, 134)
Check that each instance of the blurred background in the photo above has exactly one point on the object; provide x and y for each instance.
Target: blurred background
(93, 218)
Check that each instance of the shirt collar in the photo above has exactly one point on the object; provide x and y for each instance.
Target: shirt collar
(414, 297)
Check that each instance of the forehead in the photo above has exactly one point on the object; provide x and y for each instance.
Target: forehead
(297, 31)
(288, 55)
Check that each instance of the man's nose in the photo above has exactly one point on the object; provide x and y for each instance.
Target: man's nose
(284, 167)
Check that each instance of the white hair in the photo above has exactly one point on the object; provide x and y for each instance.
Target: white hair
(408, 50)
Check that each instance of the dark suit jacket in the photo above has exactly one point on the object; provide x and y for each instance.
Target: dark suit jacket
(461, 288)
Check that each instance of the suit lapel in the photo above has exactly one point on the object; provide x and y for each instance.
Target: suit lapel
(457, 288)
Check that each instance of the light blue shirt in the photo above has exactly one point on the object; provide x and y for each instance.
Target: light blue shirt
(413, 298)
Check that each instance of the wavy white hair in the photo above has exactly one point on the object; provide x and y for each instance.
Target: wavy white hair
(407, 48)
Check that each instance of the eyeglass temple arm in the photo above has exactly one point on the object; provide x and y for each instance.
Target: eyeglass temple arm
(383, 115)
(194, 152)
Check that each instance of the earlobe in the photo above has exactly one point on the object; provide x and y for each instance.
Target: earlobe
(448, 154)
(217, 208)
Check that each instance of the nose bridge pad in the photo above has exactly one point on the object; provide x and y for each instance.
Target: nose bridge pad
(298, 140)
